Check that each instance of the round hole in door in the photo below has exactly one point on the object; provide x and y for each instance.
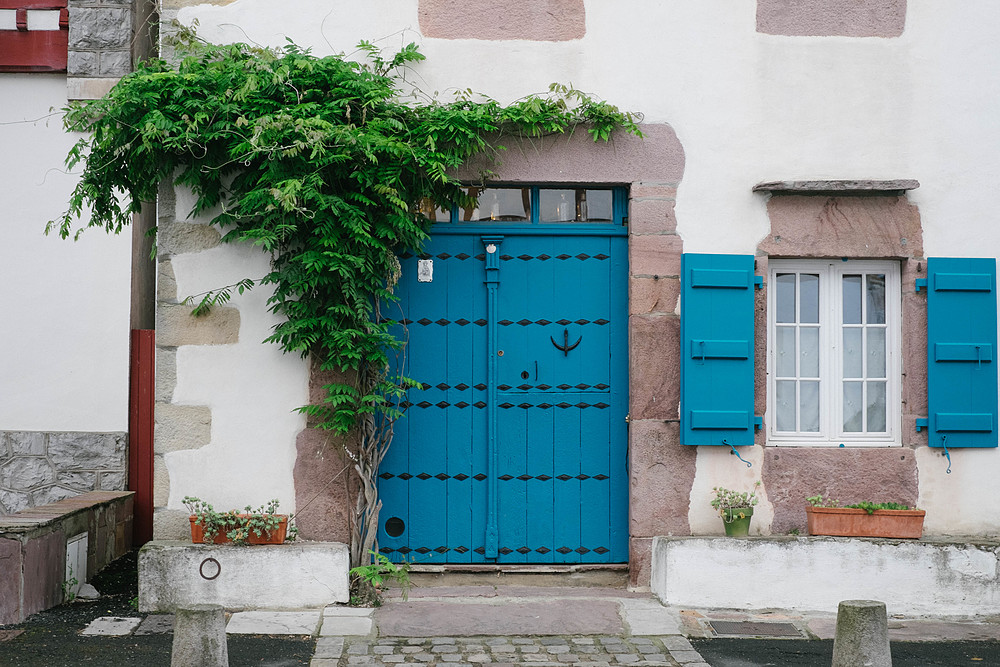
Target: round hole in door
(394, 526)
(524, 375)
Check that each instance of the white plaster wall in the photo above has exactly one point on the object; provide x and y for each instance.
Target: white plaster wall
(64, 324)
(747, 107)
(252, 389)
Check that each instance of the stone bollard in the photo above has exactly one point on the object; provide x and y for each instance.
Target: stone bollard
(862, 638)
(199, 637)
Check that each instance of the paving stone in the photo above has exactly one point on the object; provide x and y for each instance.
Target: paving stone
(415, 642)
(384, 650)
(535, 657)
(685, 657)
(423, 657)
(582, 640)
(338, 626)
(530, 649)
(324, 662)
(360, 660)
(444, 640)
(569, 657)
(677, 643)
(411, 649)
(587, 650)
(478, 657)
(558, 649)
(392, 658)
(647, 649)
(641, 640)
(358, 649)
(516, 640)
(329, 647)
(450, 657)
(625, 658)
(552, 641)
(112, 626)
(273, 623)
(156, 624)
(446, 648)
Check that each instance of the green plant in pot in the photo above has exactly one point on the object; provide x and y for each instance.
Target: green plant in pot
(736, 509)
(248, 526)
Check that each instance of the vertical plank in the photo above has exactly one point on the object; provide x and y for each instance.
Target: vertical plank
(142, 375)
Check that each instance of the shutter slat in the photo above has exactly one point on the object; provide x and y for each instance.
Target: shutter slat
(961, 339)
(717, 340)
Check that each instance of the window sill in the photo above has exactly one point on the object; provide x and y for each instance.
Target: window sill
(842, 187)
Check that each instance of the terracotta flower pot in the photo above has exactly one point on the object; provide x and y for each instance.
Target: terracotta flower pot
(276, 536)
(856, 522)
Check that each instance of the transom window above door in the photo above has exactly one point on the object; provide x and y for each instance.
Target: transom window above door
(536, 205)
(833, 353)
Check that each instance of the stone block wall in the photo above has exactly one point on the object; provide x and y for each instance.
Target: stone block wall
(105, 38)
(38, 467)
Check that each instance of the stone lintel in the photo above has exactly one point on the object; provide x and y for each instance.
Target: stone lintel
(839, 187)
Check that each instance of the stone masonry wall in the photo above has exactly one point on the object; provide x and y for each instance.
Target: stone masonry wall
(37, 468)
(100, 38)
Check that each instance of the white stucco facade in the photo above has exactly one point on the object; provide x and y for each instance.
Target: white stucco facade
(64, 336)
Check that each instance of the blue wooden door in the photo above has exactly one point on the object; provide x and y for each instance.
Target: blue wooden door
(514, 449)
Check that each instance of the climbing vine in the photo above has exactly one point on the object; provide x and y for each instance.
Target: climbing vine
(323, 162)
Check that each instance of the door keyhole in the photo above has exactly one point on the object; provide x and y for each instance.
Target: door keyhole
(525, 375)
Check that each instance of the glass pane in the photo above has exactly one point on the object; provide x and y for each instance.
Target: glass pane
(875, 298)
(876, 407)
(852, 299)
(876, 352)
(431, 211)
(852, 407)
(499, 205)
(578, 205)
(784, 361)
(809, 399)
(809, 306)
(785, 297)
(809, 352)
(853, 354)
(785, 390)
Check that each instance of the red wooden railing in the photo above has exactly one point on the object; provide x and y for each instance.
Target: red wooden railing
(23, 50)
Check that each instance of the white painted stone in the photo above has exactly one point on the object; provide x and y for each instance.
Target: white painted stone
(649, 617)
(339, 626)
(111, 626)
(911, 577)
(291, 576)
(274, 623)
(332, 612)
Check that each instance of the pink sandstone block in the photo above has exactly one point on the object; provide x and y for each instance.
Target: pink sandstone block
(661, 473)
(654, 348)
(833, 18)
(656, 255)
(652, 216)
(536, 20)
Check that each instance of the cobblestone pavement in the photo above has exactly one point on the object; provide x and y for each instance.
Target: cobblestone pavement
(604, 651)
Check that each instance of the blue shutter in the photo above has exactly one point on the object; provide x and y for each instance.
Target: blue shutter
(961, 352)
(717, 327)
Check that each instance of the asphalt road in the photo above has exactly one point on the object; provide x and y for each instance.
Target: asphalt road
(819, 653)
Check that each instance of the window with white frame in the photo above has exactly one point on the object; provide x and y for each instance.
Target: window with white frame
(833, 352)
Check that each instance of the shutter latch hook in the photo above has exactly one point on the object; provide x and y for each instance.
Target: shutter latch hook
(733, 447)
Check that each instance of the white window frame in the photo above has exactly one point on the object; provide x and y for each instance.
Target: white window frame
(831, 432)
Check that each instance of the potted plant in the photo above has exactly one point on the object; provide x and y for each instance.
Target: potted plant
(251, 526)
(864, 519)
(736, 509)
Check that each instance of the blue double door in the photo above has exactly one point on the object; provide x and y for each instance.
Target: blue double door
(514, 448)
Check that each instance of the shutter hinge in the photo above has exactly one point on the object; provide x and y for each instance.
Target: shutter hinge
(921, 284)
(922, 423)
(758, 422)
(758, 282)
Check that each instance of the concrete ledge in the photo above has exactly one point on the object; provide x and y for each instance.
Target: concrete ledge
(815, 573)
(287, 576)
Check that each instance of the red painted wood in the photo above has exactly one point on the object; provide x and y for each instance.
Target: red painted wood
(24, 50)
(140, 432)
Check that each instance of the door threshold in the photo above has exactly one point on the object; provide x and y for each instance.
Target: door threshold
(520, 568)
(539, 575)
